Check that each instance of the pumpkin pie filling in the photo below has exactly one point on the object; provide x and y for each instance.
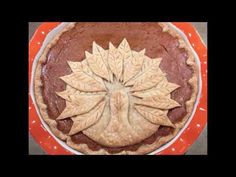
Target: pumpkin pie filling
(72, 45)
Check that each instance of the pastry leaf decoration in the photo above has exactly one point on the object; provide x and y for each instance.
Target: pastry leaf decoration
(117, 96)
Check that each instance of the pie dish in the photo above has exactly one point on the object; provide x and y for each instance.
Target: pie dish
(116, 88)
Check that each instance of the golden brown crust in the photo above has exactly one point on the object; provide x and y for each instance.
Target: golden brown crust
(143, 149)
(38, 84)
(194, 80)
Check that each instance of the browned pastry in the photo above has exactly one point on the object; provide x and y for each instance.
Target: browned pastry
(116, 88)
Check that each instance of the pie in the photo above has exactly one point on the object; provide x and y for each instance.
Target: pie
(116, 88)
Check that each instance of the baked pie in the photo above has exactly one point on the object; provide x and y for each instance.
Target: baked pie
(116, 88)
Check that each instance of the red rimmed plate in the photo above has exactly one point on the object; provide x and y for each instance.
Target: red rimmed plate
(179, 145)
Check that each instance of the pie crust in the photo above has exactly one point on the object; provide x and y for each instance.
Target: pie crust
(96, 82)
